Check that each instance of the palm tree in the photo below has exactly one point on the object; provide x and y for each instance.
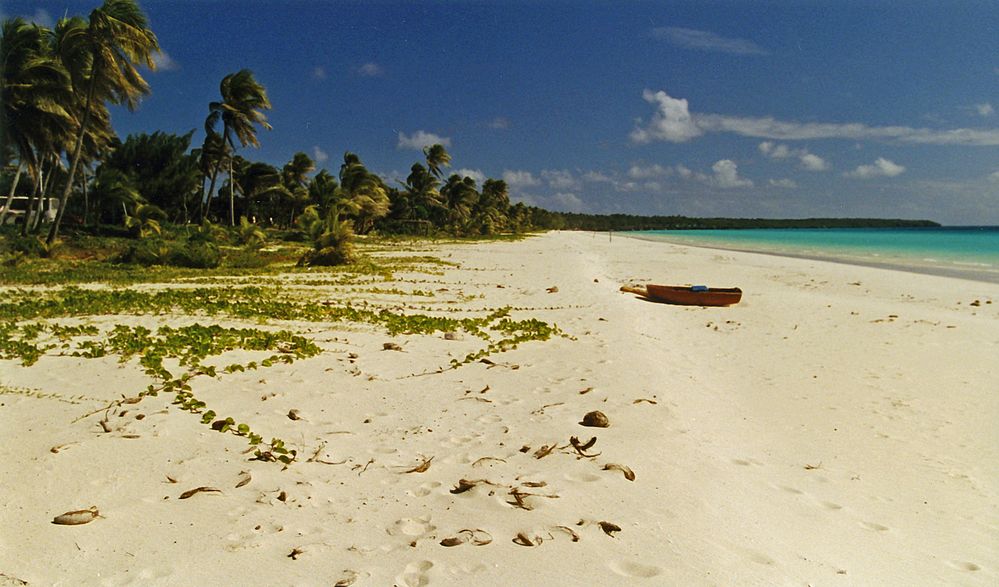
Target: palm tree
(262, 188)
(422, 192)
(490, 211)
(243, 98)
(323, 189)
(34, 88)
(101, 58)
(210, 156)
(363, 193)
(437, 157)
(460, 196)
(295, 176)
(114, 195)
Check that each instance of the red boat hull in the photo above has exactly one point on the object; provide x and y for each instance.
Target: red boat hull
(686, 296)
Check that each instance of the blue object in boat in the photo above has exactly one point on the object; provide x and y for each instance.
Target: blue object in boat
(698, 288)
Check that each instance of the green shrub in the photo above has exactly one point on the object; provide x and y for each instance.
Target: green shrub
(152, 251)
(326, 257)
(333, 239)
(246, 259)
(196, 255)
(31, 246)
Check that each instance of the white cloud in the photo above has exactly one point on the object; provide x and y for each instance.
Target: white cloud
(318, 155)
(568, 201)
(371, 69)
(319, 72)
(520, 179)
(164, 62)
(774, 150)
(671, 122)
(813, 162)
(780, 151)
(880, 168)
(499, 123)
(783, 183)
(684, 171)
(636, 171)
(597, 177)
(475, 174)
(985, 110)
(808, 160)
(561, 179)
(994, 177)
(420, 139)
(707, 41)
(770, 128)
(727, 175)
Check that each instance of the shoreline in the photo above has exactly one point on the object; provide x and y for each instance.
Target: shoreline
(969, 274)
(836, 427)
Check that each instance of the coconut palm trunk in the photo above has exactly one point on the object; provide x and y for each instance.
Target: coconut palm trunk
(207, 202)
(45, 200)
(77, 153)
(232, 196)
(34, 208)
(10, 195)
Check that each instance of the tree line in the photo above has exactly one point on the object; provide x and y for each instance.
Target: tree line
(59, 150)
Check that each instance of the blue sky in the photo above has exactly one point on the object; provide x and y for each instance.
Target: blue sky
(750, 109)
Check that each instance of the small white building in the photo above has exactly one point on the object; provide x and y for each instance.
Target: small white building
(19, 208)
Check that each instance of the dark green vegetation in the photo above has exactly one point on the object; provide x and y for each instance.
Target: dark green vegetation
(61, 162)
(629, 222)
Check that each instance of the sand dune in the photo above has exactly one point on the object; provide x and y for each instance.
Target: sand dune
(838, 427)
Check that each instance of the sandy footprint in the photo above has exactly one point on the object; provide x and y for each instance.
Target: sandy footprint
(633, 569)
(411, 527)
(874, 527)
(347, 578)
(424, 489)
(582, 476)
(415, 575)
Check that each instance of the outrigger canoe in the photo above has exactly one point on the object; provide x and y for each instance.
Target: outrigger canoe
(696, 295)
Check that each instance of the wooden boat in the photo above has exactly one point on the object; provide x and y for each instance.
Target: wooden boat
(697, 295)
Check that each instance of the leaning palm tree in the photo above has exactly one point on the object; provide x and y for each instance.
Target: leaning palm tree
(437, 157)
(423, 193)
(295, 176)
(243, 98)
(34, 89)
(460, 196)
(490, 211)
(211, 155)
(101, 55)
(323, 189)
(262, 189)
(362, 193)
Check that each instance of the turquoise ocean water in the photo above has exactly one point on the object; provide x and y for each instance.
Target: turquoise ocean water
(968, 252)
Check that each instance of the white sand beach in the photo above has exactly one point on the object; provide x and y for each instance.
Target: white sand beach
(837, 427)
